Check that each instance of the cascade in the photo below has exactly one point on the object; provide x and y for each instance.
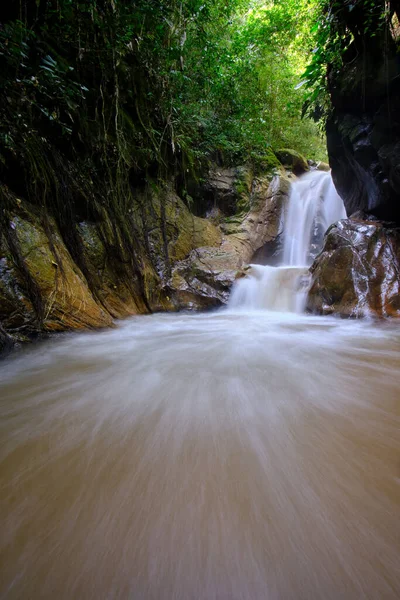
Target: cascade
(313, 206)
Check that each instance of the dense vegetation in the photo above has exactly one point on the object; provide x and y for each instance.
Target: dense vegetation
(112, 90)
(115, 90)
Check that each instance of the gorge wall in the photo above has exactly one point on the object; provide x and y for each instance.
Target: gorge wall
(159, 256)
(358, 272)
(363, 130)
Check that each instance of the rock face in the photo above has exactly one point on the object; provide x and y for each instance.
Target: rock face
(205, 277)
(42, 288)
(363, 132)
(56, 280)
(357, 274)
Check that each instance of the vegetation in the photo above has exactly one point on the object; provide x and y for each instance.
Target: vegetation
(118, 89)
(102, 94)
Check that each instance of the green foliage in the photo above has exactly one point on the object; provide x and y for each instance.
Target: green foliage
(128, 86)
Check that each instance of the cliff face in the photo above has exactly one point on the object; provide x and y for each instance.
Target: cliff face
(357, 272)
(363, 131)
(50, 281)
(159, 256)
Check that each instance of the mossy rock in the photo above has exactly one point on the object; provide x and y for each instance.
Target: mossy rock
(184, 231)
(243, 184)
(41, 288)
(292, 159)
(113, 282)
(265, 163)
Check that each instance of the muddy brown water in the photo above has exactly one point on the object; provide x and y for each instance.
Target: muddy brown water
(225, 456)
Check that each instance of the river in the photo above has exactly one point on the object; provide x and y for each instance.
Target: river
(234, 455)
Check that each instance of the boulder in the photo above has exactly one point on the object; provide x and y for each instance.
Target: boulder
(322, 166)
(357, 274)
(294, 160)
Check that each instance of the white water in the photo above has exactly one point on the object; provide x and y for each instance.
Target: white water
(282, 289)
(313, 199)
(313, 203)
(224, 456)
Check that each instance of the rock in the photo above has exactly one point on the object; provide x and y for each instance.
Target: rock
(363, 130)
(266, 163)
(294, 160)
(179, 260)
(357, 274)
(205, 277)
(170, 231)
(221, 187)
(117, 291)
(322, 166)
(5, 341)
(41, 288)
(227, 189)
(16, 310)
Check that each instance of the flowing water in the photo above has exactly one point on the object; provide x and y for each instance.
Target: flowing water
(220, 456)
(238, 455)
(313, 206)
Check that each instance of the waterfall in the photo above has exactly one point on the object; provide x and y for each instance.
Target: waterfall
(313, 206)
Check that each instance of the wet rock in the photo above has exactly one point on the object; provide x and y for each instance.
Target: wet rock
(16, 310)
(115, 290)
(41, 288)
(169, 230)
(357, 274)
(226, 189)
(363, 130)
(6, 341)
(205, 278)
(206, 275)
(221, 188)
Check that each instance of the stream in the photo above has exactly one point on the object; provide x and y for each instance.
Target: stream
(229, 455)
(250, 453)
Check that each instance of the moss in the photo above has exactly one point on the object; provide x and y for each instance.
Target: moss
(292, 159)
(265, 163)
(45, 269)
(243, 185)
